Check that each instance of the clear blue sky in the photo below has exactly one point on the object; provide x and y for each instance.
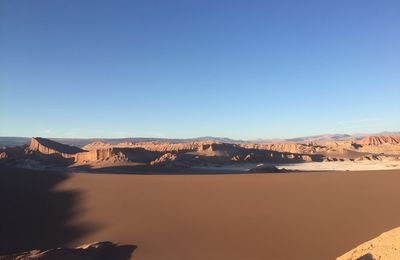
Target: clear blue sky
(240, 69)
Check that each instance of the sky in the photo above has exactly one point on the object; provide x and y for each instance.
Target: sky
(179, 69)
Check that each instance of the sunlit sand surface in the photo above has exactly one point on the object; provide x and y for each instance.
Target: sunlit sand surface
(239, 216)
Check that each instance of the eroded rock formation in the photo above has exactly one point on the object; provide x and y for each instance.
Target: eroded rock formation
(380, 140)
(49, 147)
(202, 153)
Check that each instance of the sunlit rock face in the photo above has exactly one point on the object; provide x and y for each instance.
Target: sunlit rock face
(385, 247)
(49, 147)
(170, 154)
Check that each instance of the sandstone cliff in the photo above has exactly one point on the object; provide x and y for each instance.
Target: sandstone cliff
(380, 144)
(212, 150)
(211, 153)
(160, 146)
(49, 147)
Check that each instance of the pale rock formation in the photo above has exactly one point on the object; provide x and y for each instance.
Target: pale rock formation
(389, 144)
(99, 155)
(384, 247)
(306, 158)
(170, 160)
(151, 146)
(164, 159)
(96, 145)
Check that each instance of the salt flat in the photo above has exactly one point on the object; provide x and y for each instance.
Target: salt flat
(343, 166)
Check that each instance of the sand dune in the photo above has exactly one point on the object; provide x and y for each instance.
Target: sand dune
(243, 216)
(292, 216)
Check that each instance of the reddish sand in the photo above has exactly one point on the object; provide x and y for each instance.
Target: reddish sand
(248, 216)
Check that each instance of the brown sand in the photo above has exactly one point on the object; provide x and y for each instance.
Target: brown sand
(248, 216)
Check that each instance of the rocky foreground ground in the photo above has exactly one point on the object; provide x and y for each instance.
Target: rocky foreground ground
(384, 247)
(94, 251)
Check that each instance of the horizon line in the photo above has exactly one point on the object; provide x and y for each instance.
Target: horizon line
(211, 137)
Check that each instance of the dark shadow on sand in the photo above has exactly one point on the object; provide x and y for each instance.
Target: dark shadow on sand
(35, 216)
(121, 252)
(366, 257)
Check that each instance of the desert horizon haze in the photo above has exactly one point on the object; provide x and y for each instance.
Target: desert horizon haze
(199, 129)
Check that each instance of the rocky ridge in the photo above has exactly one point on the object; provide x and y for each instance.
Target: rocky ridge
(202, 153)
(380, 140)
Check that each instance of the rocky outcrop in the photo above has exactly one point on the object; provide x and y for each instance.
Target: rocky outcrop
(166, 160)
(54, 150)
(204, 153)
(343, 149)
(384, 247)
(117, 154)
(49, 147)
(150, 146)
(388, 144)
(377, 157)
(303, 148)
(218, 149)
(99, 155)
(14, 153)
(97, 250)
(96, 145)
(266, 168)
(203, 146)
(231, 152)
(380, 140)
(334, 159)
(177, 161)
(306, 158)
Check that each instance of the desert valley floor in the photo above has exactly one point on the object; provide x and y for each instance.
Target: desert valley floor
(236, 216)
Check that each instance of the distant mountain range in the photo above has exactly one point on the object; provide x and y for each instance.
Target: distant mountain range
(79, 142)
(17, 141)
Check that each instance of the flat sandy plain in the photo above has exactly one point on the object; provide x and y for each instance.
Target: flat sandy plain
(235, 216)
